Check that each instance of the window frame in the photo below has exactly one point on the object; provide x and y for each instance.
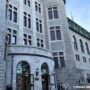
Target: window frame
(54, 30)
(51, 12)
(58, 55)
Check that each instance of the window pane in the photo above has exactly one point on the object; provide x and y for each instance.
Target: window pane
(10, 15)
(55, 14)
(42, 45)
(14, 39)
(77, 57)
(25, 36)
(75, 43)
(9, 38)
(25, 41)
(37, 26)
(87, 48)
(36, 8)
(14, 32)
(40, 28)
(38, 44)
(51, 28)
(39, 8)
(29, 23)
(29, 37)
(56, 62)
(81, 45)
(15, 16)
(58, 34)
(28, 3)
(62, 62)
(60, 53)
(55, 8)
(57, 27)
(50, 15)
(25, 1)
(29, 42)
(25, 21)
(52, 35)
(84, 59)
(41, 41)
(55, 54)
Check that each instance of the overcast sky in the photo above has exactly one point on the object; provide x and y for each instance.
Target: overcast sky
(80, 10)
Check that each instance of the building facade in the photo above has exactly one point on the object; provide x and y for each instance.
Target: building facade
(40, 48)
(80, 39)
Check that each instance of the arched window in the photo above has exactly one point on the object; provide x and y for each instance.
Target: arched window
(23, 76)
(87, 48)
(45, 76)
(75, 43)
(81, 45)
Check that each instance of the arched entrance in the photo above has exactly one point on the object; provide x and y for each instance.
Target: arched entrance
(45, 77)
(23, 76)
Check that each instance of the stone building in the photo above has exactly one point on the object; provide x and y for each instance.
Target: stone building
(41, 49)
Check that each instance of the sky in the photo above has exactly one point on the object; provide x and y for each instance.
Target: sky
(80, 11)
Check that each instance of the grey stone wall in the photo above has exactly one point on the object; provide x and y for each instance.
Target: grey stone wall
(67, 76)
(2, 41)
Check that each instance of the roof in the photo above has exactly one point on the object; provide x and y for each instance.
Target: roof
(78, 29)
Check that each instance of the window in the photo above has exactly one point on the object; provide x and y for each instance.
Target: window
(5, 51)
(77, 57)
(39, 25)
(75, 43)
(89, 60)
(29, 3)
(26, 2)
(81, 45)
(6, 10)
(82, 78)
(15, 15)
(37, 7)
(87, 48)
(58, 33)
(61, 56)
(55, 56)
(27, 20)
(50, 13)
(40, 43)
(27, 40)
(53, 12)
(59, 59)
(55, 33)
(12, 36)
(61, 87)
(84, 59)
(88, 78)
(12, 14)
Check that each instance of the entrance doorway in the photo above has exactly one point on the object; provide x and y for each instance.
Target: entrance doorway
(45, 77)
(23, 76)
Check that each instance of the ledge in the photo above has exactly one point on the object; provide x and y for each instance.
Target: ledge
(27, 50)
